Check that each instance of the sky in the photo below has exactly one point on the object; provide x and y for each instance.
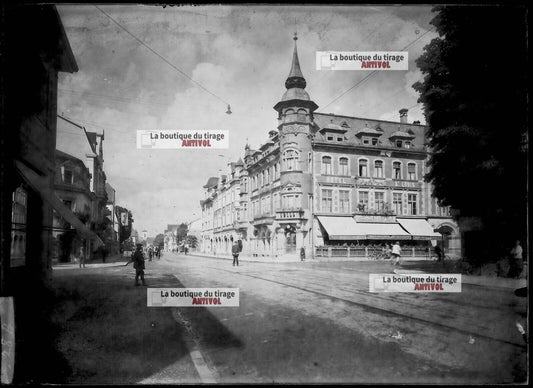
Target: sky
(242, 55)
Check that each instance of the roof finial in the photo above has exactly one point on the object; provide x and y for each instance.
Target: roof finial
(295, 35)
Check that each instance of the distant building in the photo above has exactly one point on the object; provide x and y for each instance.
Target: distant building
(72, 186)
(171, 237)
(330, 184)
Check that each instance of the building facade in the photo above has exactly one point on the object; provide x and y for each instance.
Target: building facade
(323, 183)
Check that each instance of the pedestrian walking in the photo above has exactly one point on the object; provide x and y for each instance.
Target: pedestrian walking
(82, 257)
(138, 264)
(516, 262)
(302, 254)
(150, 253)
(235, 250)
(396, 253)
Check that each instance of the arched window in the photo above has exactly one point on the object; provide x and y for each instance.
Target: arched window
(343, 166)
(326, 165)
(290, 158)
(302, 115)
(363, 167)
(411, 171)
(290, 115)
(378, 169)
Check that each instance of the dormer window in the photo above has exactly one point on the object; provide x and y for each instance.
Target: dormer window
(375, 141)
(340, 138)
(330, 138)
(399, 143)
(407, 144)
(366, 140)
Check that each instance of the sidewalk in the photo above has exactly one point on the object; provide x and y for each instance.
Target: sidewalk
(107, 333)
(478, 280)
(111, 261)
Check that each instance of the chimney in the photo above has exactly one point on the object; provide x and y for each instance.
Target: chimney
(403, 115)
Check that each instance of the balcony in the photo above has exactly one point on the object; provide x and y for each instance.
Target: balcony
(290, 215)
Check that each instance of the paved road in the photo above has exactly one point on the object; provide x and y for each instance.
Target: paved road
(317, 322)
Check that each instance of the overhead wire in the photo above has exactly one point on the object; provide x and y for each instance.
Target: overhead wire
(373, 72)
(161, 57)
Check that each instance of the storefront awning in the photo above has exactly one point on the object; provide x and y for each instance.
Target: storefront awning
(419, 228)
(346, 228)
(340, 228)
(383, 231)
(42, 186)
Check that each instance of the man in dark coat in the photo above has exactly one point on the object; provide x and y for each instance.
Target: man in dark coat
(138, 264)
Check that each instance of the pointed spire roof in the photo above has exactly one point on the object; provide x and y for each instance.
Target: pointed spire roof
(295, 78)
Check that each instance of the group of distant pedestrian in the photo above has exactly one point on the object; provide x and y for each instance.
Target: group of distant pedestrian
(154, 252)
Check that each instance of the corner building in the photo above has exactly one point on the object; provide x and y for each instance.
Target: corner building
(333, 185)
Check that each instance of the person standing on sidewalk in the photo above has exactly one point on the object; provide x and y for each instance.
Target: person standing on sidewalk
(138, 264)
(235, 250)
(396, 253)
(516, 264)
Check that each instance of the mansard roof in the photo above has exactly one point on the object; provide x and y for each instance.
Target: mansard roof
(357, 126)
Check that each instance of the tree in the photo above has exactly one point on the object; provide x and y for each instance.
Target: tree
(181, 232)
(475, 101)
(159, 240)
(192, 240)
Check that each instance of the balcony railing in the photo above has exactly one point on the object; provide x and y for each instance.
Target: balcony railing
(290, 214)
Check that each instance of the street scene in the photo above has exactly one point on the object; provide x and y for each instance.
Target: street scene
(264, 194)
(296, 323)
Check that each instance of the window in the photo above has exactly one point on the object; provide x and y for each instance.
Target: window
(327, 200)
(278, 170)
(397, 203)
(330, 138)
(397, 170)
(374, 141)
(309, 162)
(344, 201)
(289, 115)
(366, 140)
(68, 176)
(326, 165)
(411, 204)
(290, 158)
(339, 138)
(302, 115)
(407, 144)
(363, 167)
(343, 166)
(411, 171)
(363, 201)
(378, 169)
(291, 201)
(399, 143)
(379, 200)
